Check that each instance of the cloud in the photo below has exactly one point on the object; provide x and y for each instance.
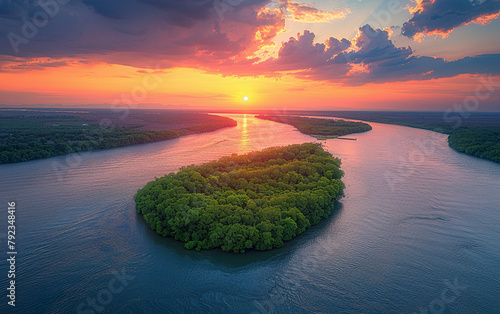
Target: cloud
(141, 33)
(304, 53)
(441, 17)
(370, 57)
(13, 64)
(307, 13)
(156, 35)
(216, 96)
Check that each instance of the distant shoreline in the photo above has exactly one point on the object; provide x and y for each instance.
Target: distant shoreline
(31, 135)
(477, 134)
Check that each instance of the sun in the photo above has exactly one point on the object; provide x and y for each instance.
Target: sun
(245, 98)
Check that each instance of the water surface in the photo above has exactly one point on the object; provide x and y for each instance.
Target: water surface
(417, 218)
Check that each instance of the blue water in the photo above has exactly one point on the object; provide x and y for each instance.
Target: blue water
(417, 230)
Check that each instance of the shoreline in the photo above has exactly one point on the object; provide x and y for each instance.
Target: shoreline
(33, 137)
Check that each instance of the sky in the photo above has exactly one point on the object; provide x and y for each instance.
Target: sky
(280, 54)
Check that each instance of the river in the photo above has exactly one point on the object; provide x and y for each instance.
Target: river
(417, 230)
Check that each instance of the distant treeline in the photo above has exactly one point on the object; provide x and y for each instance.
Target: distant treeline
(27, 138)
(477, 135)
(320, 127)
(483, 142)
(443, 122)
(253, 201)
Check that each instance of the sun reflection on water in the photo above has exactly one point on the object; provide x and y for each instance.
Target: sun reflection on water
(245, 140)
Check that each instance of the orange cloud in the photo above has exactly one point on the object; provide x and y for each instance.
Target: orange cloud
(264, 34)
(485, 19)
(307, 13)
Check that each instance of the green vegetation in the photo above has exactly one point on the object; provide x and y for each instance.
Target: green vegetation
(320, 128)
(253, 201)
(27, 137)
(483, 142)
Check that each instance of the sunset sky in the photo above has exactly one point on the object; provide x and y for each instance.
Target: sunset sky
(206, 54)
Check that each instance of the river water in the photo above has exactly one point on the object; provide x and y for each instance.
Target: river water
(417, 230)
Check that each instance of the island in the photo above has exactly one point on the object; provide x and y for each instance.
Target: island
(320, 128)
(32, 134)
(254, 201)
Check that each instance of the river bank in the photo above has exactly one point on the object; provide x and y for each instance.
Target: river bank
(33, 134)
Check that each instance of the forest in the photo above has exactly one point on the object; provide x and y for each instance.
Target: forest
(254, 201)
(25, 137)
(483, 142)
(320, 127)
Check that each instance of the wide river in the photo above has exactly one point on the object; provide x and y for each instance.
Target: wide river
(418, 230)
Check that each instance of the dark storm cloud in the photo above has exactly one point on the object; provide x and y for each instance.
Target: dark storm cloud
(145, 29)
(442, 16)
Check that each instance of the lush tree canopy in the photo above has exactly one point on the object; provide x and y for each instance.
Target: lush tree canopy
(483, 142)
(320, 127)
(253, 201)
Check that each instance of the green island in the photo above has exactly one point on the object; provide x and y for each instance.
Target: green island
(240, 202)
(33, 134)
(322, 129)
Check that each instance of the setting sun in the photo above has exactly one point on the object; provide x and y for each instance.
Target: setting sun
(245, 98)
